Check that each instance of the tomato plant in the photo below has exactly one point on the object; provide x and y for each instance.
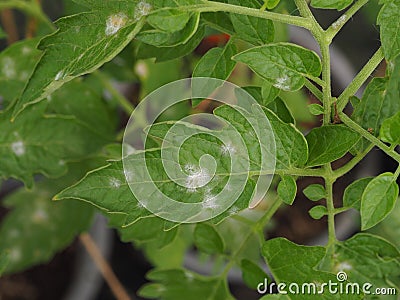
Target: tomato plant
(61, 135)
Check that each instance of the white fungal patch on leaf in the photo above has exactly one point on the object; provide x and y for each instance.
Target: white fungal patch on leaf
(8, 68)
(142, 9)
(281, 83)
(209, 202)
(343, 266)
(26, 50)
(142, 70)
(340, 22)
(115, 23)
(233, 210)
(40, 216)
(18, 148)
(24, 76)
(115, 183)
(15, 254)
(228, 149)
(59, 76)
(197, 177)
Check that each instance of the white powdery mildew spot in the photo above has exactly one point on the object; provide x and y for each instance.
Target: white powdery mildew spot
(233, 210)
(343, 266)
(339, 22)
(281, 83)
(189, 276)
(15, 254)
(142, 9)
(18, 148)
(228, 149)
(197, 177)
(115, 23)
(59, 76)
(26, 50)
(209, 202)
(115, 183)
(8, 68)
(40, 216)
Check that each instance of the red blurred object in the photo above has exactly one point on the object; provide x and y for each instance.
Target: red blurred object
(212, 41)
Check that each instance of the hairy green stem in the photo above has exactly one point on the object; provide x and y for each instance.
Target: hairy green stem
(211, 6)
(364, 133)
(331, 211)
(359, 80)
(336, 26)
(122, 101)
(351, 164)
(314, 90)
(256, 227)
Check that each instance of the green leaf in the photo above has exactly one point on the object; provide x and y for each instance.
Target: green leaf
(269, 99)
(291, 263)
(316, 109)
(329, 143)
(160, 38)
(167, 53)
(269, 93)
(282, 111)
(283, 65)
(220, 21)
(389, 21)
(378, 199)
(252, 274)
(254, 30)
(390, 227)
(216, 63)
(207, 239)
(379, 102)
(18, 62)
(82, 44)
(173, 285)
(331, 4)
(368, 259)
(286, 136)
(169, 20)
(287, 189)
(353, 193)
(36, 228)
(390, 130)
(315, 192)
(46, 147)
(317, 212)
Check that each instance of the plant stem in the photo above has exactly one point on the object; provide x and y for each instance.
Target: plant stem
(377, 142)
(336, 26)
(314, 90)
(211, 6)
(351, 164)
(331, 211)
(256, 227)
(122, 101)
(326, 77)
(359, 80)
(105, 269)
(8, 20)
